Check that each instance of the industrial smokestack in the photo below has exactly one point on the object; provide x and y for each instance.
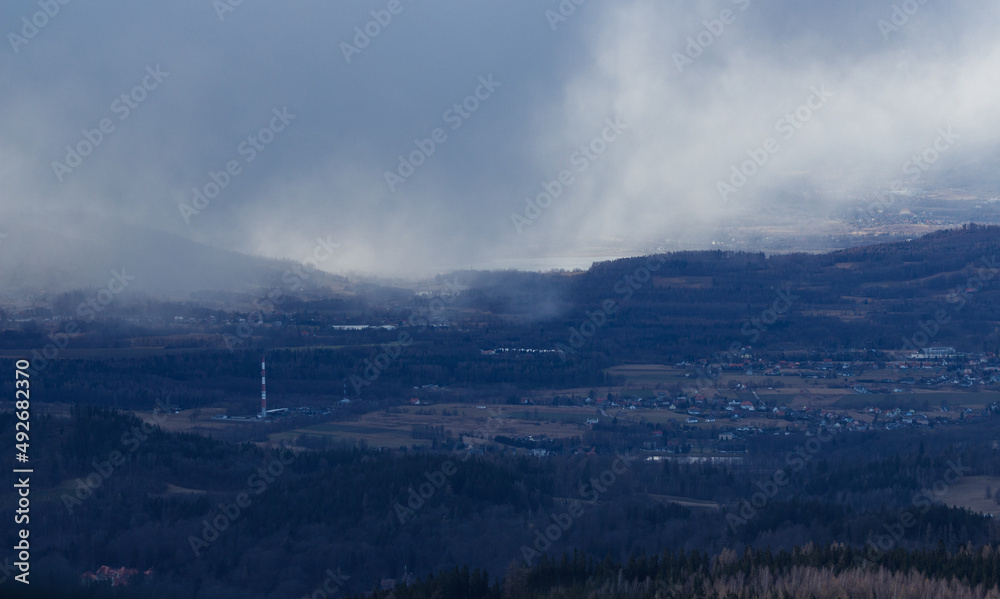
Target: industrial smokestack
(263, 390)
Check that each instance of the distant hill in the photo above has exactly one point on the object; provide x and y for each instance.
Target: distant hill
(37, 259)
(696, 302)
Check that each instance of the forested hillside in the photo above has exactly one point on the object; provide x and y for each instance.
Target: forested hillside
(108, 490)
(656, 309)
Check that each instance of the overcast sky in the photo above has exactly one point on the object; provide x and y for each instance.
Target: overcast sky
(665, 121)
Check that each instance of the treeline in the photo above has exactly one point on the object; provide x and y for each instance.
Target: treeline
(809, 572)
(113, 491)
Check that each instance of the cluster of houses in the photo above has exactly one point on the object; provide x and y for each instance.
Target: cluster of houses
(515, 350)
(931, 366)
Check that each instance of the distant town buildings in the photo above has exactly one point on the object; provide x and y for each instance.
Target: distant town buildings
(938, 352)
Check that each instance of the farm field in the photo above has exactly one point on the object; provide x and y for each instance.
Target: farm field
(187, 421)
(970, 492)
(394, 428)
(403, 426)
